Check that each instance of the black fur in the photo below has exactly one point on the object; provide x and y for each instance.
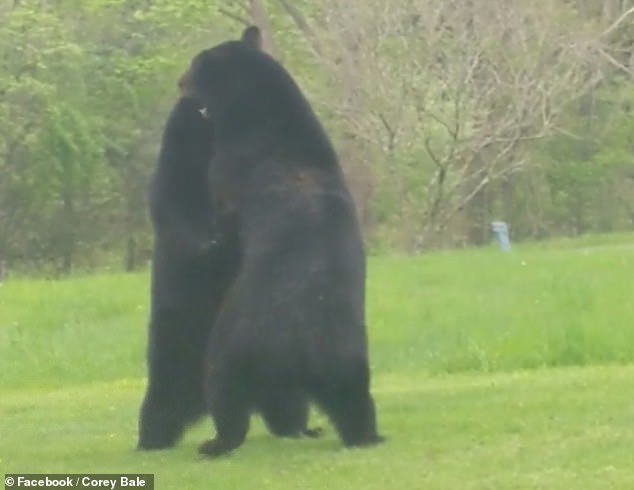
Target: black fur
(291, 328)
(190, 274)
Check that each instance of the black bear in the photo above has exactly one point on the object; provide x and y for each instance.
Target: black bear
(291, 327)
(190, 274)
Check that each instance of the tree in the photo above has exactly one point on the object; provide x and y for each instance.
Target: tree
(448, 96)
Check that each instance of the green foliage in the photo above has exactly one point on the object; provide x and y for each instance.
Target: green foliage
(85, 93)
(418, 105)
(589, 177)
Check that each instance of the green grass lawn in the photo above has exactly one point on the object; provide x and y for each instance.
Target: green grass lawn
(491, 371)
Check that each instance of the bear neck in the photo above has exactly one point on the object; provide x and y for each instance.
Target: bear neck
(273, 129)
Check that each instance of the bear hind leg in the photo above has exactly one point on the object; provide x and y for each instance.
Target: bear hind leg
(345, 397)
(286, 414)
(230, 410)
(173, 397)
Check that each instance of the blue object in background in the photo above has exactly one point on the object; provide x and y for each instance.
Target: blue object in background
(501, 232)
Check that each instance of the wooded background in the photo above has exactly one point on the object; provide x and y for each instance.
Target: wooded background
(447, 114)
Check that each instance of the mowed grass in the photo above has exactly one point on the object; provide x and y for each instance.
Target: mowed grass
(490, 371)
(549, 429)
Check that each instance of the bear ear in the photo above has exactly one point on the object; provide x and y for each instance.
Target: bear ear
(252, 37)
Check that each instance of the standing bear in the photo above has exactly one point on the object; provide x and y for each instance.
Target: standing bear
(291, 328)
(190, 274)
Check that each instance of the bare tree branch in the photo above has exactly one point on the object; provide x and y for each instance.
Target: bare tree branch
(233, 16)
(261, 19)
(459, 91)
(617, 23)
(302, 25)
